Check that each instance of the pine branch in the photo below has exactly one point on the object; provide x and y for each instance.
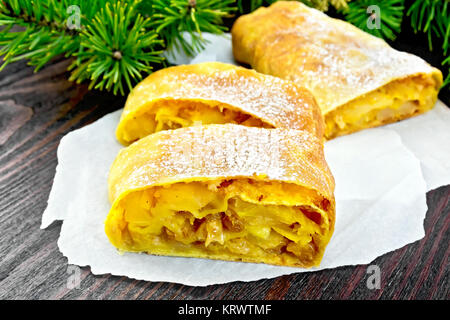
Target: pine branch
(171, 18)
(433, 18)
(40, 33)
(391, 16)
(114, 44)
(116, 48)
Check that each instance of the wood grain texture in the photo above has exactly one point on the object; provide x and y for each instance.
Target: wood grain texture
(36, 110)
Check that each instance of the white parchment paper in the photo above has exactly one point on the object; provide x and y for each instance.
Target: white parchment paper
(380, 196)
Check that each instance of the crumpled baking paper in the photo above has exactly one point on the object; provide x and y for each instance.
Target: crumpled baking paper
(380, 196)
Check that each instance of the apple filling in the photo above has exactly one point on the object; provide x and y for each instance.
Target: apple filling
(395, 101)
(173, 114)
(234, 220)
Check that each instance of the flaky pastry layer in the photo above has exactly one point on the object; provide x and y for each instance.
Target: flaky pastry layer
(215, 93)
(224, 192)
(358, 80)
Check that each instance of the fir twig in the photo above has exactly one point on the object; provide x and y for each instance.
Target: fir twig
(116, 49)
(40, 32)
(446, 62)
(171, 18)
(391, 15)
(116, 42)
(433, 18)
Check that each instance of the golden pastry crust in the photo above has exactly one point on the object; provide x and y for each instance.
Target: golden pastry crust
(267, 100)
(278, 168)
(336, 61)
(221, 151)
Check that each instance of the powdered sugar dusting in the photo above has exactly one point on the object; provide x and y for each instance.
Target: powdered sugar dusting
(222, 152)
(275, 101)
(335, 60)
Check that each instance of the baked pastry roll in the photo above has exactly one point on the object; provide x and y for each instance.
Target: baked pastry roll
(217, 93)
(226, 192)
(358, 80)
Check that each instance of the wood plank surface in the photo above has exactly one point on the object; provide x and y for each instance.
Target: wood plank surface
(37, 109)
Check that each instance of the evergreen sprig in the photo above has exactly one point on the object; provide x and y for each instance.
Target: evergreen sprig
(433, 18)
(116, 48)
(391, 16)
(173, 18)
(116, 42)
(40, 32)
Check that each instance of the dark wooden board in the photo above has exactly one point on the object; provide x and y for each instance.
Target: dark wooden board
(37, 109)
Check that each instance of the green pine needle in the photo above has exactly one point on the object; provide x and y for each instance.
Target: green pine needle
(433, 18)
(447, 80)
(116, 49)
(391, 16)
(116, 42)
(171, 18)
